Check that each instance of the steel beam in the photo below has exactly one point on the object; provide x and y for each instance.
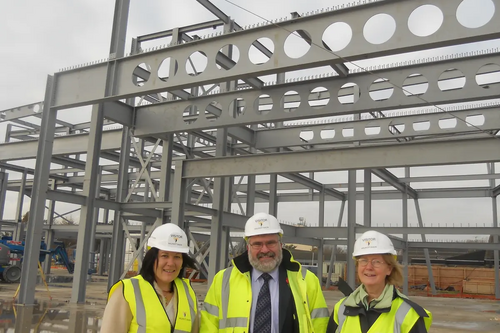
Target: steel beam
(329, 232)
(453, 245)
(183, 30)
(389, 177)
(85, 85)
(402, 154)
(168, 117)
(314, 184)
(66, 145)
(377, 130)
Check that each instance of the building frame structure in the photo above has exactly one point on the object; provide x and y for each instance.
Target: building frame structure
(190, 136)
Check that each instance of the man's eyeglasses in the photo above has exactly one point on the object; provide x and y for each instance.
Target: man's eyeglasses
(259, 245)
(375, 262)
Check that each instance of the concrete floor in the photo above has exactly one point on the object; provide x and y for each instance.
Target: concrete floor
(58, 315)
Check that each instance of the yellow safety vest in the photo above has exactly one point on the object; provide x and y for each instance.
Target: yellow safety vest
(229, 301)
(148, 314)
(400, 319)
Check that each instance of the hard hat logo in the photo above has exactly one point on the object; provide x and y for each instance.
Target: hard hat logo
(262, 224)
(373, 242)
(169, 237)
(369, 241)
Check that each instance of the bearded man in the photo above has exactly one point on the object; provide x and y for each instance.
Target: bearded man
(265, 290)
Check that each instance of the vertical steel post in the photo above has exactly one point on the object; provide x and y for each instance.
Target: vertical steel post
(3, 192)
(90, 185)
(39, 195)
(367, 200)
(49, 234)
(116, 51)
(321, 223)
(19, 233)
(405, 236)
(426, 251)
(496, 256)
(216, 230)
(351, 227)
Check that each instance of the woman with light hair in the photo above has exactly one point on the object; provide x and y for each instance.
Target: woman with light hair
(377, 305)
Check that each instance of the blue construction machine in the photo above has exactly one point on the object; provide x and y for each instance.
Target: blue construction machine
(11, 258)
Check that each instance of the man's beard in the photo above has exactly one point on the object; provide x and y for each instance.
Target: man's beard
(268, 266)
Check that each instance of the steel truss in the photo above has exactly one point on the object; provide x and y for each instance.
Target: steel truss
(186, 147)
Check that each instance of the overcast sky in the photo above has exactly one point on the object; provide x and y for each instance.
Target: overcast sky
(41, 37)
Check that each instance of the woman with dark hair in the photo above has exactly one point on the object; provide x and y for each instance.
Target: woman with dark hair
(158, 299)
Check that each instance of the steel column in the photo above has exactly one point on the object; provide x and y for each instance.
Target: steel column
(141, 248)
(38, 197)
(273, 194)
(426, 250)
(367, 200)
(95, 220)
(103, 256)
(496, 256)
(3, 192)
(178, 194)
(216, 231)
(50, 234)
(405, 237)
(117, 51)
(19, 234)
(250, 199)
(351, 227)
(90, 189)
(333, 257)
(117, 242)
(321, 223)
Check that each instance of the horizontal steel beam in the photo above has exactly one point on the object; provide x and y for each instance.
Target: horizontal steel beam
(21, 111)
(395, 155)
(453, 245)
(272, 103)
(85, 85)
(409, 126)
(189, 28)
(438, 193)
(341, 232)
(64, 145)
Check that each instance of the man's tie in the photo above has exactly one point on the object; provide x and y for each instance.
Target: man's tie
(262, 320)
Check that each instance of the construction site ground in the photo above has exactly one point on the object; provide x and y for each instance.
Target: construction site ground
(60, 315)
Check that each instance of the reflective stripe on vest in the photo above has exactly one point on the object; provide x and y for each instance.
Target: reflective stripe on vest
(140, 310)
(226, 322)
(403, 310)
(400, 316)
(191, 303)
(341, 316)
(320, 313)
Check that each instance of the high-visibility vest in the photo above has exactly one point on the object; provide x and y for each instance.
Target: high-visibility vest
(148, 314)
(228, 303)
(400, 319)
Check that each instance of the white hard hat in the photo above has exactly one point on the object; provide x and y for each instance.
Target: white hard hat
(169, 237)
(373, 242)
(262, 224)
